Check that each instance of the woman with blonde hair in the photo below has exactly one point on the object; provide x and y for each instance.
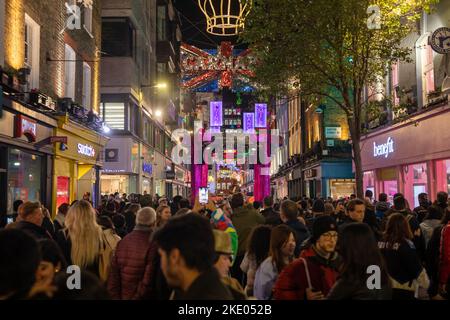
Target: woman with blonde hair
(82, 238)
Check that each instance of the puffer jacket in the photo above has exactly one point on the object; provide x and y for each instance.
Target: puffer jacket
(132, 266)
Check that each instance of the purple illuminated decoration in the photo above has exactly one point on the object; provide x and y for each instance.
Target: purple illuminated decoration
(215, 111)
(249, 122)
(260, 115)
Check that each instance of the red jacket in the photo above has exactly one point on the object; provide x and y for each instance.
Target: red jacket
(444, 261)
(131, 271)
(292, 282)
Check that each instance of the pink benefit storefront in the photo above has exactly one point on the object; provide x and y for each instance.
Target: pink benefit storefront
(410, 157)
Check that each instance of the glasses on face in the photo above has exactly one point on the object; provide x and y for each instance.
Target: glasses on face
(330, 235)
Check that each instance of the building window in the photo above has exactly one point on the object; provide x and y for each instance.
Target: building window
(69, 72)
(161, 23)
(32, 49)
(86, 86)
(395, 76)
(118, 37)
(427, 70)
(87, 15)
(114, 115)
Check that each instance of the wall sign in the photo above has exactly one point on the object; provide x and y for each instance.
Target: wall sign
(25, 126)
(147, 168)
(383, 149)
(260, 115)
(333, 132)
(86, 150)
(440, 40)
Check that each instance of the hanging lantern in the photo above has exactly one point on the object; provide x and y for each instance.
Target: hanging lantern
(225, 17)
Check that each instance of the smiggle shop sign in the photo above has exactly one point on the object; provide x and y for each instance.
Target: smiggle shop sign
(383, 149)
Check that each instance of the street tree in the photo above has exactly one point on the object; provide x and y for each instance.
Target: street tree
(331, 50)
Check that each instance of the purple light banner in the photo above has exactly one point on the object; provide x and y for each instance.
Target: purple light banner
(260, 115)
(249, 122)
(216, 115)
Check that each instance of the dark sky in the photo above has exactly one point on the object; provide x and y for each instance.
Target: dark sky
(194, 26)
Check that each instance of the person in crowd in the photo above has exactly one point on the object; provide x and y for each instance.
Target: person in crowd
(220, 221)
(289, 211)
(382, 206)
(369, 196)
(110, 235)
(282, 246)
(163, 215)
(16, 205)
(444, 259)
(400, 206)
(244, 220)
(433, 259)
(60, 217)
(163, 201)
(175, 205)
(257, 205)
(318, 208)
(442, 201)
(188, 266)
(182, 211)
(422, 210)
(131, 272)
(20, 259)
(430, 222)
(120, 225)
(356, 212)
(329, 209)
(257, 251)
(130, 216)
(91, 288)
(31, 218)
(87, 197)
(223, 260)
(352, 196)
(370, 215)
(110, 209)
(339, 213)
(185, 204)
(272, 217)
(402, 261)
(226, 208)
(52, 263)
(81, 241)
(359, 252)
(312, 275)
(47, 223)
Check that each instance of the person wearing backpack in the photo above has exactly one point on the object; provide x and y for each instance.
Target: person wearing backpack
(82, 240)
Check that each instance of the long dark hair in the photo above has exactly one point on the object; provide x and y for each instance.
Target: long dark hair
(259, 243)
(397, 229)
(359, 250)
(278, 238)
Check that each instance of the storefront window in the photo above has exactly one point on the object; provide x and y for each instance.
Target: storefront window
(62, 190)
(443, 175)
(24, 177)
(416, 182)
(341, 188)
(118, 183)
(369, 181)
(390, 188)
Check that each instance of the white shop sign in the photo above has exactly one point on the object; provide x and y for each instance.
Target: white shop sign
(383, 149)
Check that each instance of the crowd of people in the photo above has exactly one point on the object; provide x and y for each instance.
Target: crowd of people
(135, 247)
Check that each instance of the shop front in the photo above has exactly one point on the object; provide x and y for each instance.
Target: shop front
(410, 158)
(329, 179)
(77, 164)
(294, 184)
(121, 169)
(25, 157)
(147, 158)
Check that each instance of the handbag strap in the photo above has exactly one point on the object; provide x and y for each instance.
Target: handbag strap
(308, 278)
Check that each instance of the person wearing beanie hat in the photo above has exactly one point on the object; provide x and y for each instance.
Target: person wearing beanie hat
(223, 260)
(313, 275)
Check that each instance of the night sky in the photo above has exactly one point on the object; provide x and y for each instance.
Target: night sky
(194, 26)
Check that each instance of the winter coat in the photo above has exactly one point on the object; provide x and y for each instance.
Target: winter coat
(301, 234)
(421, 212)
(292, 281)
(444, 260)
(351, 290)
(58, 223)
(132, 266)
(380, 208)
(427, 227)
(37, 232)
(272, 217)
(265, 278)
(207, 286)
(244, 220)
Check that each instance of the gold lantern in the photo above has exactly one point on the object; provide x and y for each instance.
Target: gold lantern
(225, 17)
